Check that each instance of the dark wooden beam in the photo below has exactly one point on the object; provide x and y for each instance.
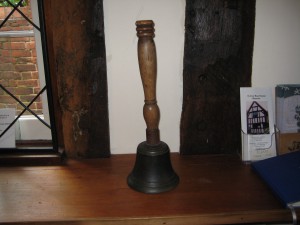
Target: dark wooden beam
(217, 62)
(76, 33)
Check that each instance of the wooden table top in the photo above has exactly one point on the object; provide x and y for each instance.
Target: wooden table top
(213, 189)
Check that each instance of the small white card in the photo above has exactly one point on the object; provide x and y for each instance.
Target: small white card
(8, 140)
(258, 132)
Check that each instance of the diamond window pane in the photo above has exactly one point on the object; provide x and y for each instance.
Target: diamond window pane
(22, 79)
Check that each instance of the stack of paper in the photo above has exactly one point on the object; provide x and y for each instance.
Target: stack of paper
(7, 139)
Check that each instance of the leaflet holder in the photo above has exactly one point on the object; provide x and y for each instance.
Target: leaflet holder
(257, 147)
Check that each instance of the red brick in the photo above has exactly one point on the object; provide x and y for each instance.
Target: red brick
(20, 53)
(7, 59)
(27, 98)
(17, 76)
(17, 45)
(26, 75)
(5, 53)
(6, 28)
(4, 39)
(2, 12)
(6, 75)
(36, 108)
(10, 75)
(2, 92)
(33, 60)
(33, 106)
(22, 23)
(23, 91)
(6, 67)
(16, 15)
(6, 45)
(22, 39)
(25, 67)
(14, 26)
(25, 60)
(11, 105)
(4, 83)
(39, 105)
(36, 90)
(35, 75)
(27, 83)
(13, 83)
(14, 45)
(33, 53)
(11, 89)
(7, 99)
(30, 45)
(26, 10)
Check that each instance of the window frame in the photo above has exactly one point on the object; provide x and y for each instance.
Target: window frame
(29, 148)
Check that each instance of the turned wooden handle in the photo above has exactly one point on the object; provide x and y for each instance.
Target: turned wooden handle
(148, 71)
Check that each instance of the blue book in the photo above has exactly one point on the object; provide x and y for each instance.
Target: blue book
(282, 175)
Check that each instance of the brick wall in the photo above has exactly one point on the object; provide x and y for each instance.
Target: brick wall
(18, 67)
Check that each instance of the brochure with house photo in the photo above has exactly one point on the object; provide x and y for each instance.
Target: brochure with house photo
(257, 120)
(7, 139)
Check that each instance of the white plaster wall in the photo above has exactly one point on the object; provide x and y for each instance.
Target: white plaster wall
(276, 60)
(125, 93)
(277, 43)
(276, 55)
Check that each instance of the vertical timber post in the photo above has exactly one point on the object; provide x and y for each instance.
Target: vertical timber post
(218, 50)
(75, 36)
(153, 172)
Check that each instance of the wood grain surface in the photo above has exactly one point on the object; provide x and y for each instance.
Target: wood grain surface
(213, 190)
